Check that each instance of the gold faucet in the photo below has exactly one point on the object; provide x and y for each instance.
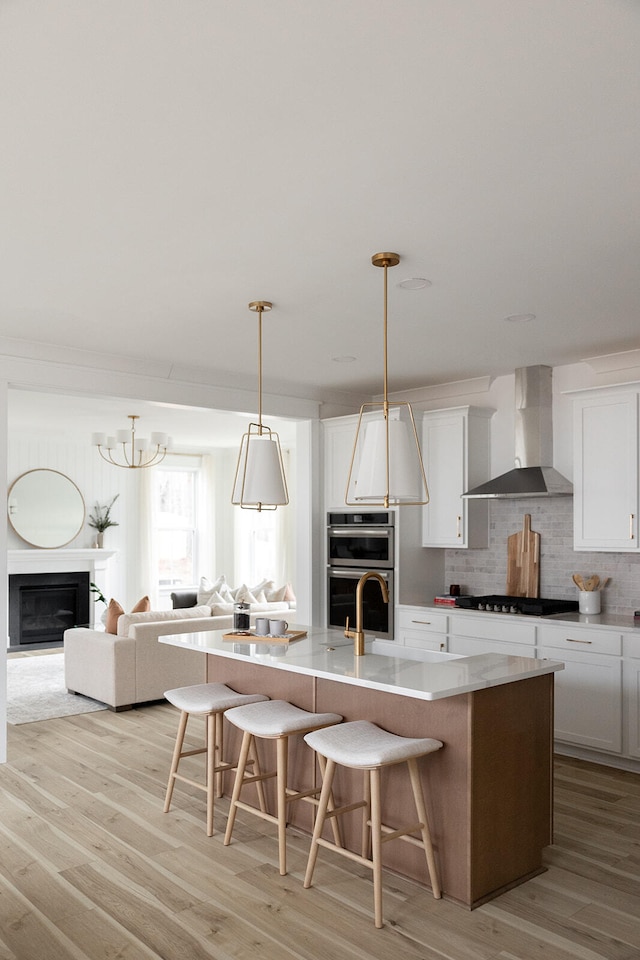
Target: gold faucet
(358, 633)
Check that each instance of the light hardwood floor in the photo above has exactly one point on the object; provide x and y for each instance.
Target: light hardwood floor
(90, 867)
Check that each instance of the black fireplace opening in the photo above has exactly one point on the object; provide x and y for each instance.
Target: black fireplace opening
(43, 605)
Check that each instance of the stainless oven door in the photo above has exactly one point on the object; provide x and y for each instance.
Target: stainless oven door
(341, 601)
(367, 547)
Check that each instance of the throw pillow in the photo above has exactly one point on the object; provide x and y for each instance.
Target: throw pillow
(244, 594)
(115, 611)
(276, 596)
(142, 605)
(206, 587)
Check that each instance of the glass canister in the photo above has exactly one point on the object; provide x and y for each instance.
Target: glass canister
(241, 619)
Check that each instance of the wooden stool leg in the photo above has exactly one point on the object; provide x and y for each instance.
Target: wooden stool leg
(376, 845)
(336, 826)
(182, 726)
(237, 785)
(421, 809)
(281, 784)
(365, 846)
(325, 796)
(211, 766)
(262, 801)
(219, 755)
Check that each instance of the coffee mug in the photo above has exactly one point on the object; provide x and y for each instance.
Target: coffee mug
(262, 626)
(278, 628)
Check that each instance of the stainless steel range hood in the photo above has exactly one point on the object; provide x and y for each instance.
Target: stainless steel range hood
(533, 475)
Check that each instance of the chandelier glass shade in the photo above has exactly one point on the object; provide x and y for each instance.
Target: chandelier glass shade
(386, 464)
(260, 482)
(127, 450)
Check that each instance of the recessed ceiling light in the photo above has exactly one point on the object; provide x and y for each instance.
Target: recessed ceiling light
(346, 359)
(414, 283)
(520, 318)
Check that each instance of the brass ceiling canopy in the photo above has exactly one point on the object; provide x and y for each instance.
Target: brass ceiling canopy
(385, 259)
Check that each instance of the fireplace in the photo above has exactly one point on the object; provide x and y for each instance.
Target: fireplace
(43, 605)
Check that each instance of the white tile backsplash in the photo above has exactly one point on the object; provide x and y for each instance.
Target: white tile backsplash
(485, 571)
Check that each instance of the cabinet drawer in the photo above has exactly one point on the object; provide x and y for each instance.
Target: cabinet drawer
(631, 644)
(585, 639)
(487, 627)
(422, 619)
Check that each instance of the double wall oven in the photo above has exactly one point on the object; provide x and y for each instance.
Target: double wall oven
(356, 543)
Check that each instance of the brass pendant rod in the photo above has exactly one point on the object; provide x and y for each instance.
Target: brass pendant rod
(386, 398)
(260, 371)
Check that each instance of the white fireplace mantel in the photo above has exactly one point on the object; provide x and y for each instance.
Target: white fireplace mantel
(93, 561)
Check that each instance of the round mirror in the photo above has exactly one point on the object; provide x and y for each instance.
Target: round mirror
(46, 508)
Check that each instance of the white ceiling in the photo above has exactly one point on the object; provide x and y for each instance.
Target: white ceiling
(165, 163)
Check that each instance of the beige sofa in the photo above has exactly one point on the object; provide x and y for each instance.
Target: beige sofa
(132, 667)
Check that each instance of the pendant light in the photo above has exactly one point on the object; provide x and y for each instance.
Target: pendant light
(260, 483)
(386, 465)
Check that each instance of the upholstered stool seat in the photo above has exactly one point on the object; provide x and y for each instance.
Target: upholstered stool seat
(209, 700)
(274, 720)
(365, 746)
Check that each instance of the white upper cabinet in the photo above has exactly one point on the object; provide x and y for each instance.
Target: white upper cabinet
(339, 437)
(605, 499)
(455, 450)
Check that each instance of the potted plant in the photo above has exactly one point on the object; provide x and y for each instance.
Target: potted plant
(99, 596)
(100, 520)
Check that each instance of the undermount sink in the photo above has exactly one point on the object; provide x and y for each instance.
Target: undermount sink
(390, 648)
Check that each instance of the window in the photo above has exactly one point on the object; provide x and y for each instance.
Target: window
(256, 545)
(175, 503)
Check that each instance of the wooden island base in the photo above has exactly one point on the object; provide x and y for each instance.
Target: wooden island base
(488, 792)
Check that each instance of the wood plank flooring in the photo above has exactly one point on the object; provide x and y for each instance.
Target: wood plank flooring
(91, 868)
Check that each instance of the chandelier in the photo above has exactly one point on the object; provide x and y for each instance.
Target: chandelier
(127, 450)
(260, 482)
(386, 464)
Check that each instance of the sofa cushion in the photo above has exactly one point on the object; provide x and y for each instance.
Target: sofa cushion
(150, 616)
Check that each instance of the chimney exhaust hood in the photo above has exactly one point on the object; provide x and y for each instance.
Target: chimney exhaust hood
(533, 475)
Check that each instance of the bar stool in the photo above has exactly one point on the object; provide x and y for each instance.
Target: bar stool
(276, 720)
(209, 700)
(362, 745)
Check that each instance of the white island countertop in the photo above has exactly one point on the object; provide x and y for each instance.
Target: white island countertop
(329, 655)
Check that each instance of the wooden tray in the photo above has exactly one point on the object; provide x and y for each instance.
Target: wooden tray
(254, 637)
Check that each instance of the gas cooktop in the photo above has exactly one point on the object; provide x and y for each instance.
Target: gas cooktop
(533, 606)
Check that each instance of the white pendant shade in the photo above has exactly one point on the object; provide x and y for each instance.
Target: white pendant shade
(260, 481)
(405, 475)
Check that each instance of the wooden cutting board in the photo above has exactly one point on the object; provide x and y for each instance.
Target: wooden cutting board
(523, 562)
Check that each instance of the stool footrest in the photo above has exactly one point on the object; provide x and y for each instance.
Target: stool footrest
(338, 811)
(401, 834)
(350, 854)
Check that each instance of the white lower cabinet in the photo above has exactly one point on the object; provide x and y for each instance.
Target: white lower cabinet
(588, 692)
(631, 684)
(422, 628)
(597, 694)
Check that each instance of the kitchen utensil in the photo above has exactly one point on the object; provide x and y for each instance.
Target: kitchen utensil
(523, 561)
(604, 583)
(579, 582)
(592, 583)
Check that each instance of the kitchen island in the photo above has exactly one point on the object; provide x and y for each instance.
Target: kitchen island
(489, 791)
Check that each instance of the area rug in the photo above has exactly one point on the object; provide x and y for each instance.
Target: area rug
(36, 690)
